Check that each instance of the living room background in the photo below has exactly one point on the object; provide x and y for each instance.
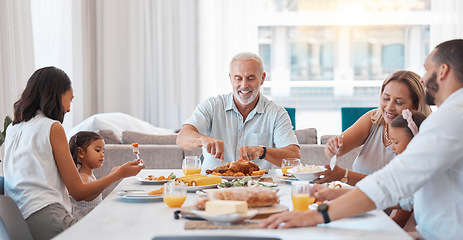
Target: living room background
(156, 60)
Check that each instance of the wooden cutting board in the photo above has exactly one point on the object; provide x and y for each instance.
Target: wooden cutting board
(264, 212)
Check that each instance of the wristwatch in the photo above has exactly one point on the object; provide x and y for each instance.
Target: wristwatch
(263, 154)
(344, 179)
(323, 209)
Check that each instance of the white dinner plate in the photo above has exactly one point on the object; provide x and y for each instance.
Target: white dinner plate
(226, 218)
(231, 177)
(196, 188)
(143, 180)
(137, 195)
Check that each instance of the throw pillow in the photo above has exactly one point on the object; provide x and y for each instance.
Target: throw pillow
(129, 137)
(306, 136)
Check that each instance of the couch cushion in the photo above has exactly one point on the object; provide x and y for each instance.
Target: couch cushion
(306, 136)
(109, 137)
(117, 122)
(129, 137)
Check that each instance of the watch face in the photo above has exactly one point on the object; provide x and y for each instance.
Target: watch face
(344, 180)
(322, 207)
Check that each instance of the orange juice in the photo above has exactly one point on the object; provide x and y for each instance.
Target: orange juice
(174, 201)
(285, 170)
(190, 171)
(301, 202)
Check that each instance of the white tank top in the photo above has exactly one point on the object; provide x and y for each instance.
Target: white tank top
(373, 155)
(82, 208)
(32, 178)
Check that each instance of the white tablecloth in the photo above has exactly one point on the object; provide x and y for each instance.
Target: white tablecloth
(116, 218)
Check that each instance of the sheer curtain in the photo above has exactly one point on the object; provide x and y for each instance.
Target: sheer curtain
(16, 55)
(447, 21)
(137, 57)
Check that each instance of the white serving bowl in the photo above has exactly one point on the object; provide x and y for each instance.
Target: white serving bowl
(305, 176)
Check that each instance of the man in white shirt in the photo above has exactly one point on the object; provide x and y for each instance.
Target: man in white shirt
(430, 169)
(243, 124)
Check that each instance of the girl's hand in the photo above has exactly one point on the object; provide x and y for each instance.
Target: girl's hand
(333, 145)
(330, 175)
(130, 168)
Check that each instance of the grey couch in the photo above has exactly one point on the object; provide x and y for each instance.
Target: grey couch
(161, 152)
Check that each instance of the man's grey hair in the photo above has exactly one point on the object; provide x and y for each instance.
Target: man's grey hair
(244, 56)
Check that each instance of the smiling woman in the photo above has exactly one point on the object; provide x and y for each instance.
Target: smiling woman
(401, 90)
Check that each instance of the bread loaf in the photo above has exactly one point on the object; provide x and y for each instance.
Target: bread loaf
(254, 196)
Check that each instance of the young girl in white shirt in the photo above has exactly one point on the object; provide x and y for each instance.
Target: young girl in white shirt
(87, 151)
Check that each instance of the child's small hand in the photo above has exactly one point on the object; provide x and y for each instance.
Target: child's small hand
(114, 169)
(131, 168)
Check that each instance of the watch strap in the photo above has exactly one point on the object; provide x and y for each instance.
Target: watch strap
(263, 154)
(323, 209)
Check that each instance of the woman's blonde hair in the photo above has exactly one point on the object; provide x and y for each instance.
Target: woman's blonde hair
(417, 94)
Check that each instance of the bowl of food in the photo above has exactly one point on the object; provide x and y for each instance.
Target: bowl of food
(306, 172)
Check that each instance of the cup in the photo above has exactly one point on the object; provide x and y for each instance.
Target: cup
(191, 165)
(289, 163)
(302, 195)
(174, 194)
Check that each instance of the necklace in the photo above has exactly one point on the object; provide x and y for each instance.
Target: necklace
(386, 137)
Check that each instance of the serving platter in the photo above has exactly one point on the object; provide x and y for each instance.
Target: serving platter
(232, 178)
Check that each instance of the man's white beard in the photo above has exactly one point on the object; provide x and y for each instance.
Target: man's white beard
(249, 100)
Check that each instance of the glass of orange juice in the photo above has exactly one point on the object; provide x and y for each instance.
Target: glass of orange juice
(289, 163)
(191, 165)
(302, 195)
(174, 194)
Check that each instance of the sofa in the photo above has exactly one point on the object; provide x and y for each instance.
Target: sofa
(161, 151)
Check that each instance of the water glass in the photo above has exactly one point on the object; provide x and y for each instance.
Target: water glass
(174, 194)
(191, 165)
(302, 195)
(289, 163)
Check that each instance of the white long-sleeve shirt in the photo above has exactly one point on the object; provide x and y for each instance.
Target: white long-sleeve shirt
(430, 169)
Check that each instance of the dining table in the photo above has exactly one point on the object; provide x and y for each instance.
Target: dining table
(117, 217)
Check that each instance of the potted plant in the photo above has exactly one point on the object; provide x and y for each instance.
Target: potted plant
(6, 123)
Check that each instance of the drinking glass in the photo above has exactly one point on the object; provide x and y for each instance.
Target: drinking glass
(174, 194)
(302, 195)
(289, 163)
(191, 165)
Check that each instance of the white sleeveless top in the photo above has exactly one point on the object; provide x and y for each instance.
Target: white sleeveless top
(82, 208)
(373, 155)
(32, 178)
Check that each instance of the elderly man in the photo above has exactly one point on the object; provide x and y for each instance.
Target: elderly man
(430, 169)
(243, 124)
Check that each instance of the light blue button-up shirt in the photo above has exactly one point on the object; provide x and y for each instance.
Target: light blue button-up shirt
(268, 124)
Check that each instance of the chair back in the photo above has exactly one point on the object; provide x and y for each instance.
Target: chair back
(350, 115)
(292, 116)
(2, 185)
(12, 224)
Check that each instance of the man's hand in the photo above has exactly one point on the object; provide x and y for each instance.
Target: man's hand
(213, 147)
(250, 153)
(292, 219)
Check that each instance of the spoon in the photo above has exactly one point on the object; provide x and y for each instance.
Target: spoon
(334, 158)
